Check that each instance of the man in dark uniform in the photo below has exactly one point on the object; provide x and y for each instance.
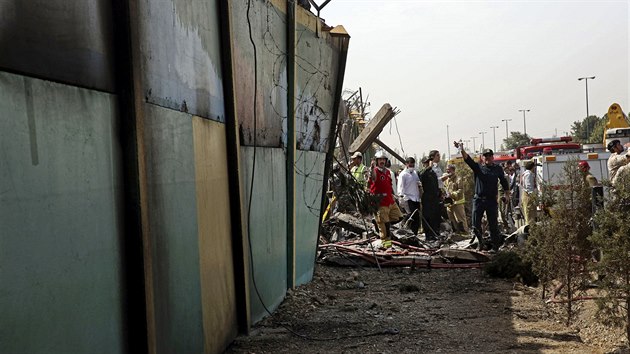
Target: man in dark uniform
(487, 174)
(430, 203)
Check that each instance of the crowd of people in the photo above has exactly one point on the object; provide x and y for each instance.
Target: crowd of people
(424, 196)
(428, 196)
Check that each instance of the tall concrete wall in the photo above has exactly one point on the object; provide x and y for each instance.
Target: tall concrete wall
(179, 55)
(60, 219)
(117, 191)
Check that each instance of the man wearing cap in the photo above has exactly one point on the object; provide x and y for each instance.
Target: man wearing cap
(380, 184)
(431, 210)
(617, 160)
(487, 175)
(528, 183)
(408, 189)
(358, 169)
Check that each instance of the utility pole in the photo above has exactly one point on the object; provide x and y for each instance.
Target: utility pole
(474, 145)
(586, 82)
(494, 136)
(483, 140)
(524, 125)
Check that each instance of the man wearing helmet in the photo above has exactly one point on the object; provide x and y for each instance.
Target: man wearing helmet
(358, 169)
(380, 184)
(589, 179)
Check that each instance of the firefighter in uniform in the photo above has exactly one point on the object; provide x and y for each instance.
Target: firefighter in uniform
(380, 184)
(455, 195)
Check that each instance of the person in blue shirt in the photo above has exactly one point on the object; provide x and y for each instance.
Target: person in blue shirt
(488, 175)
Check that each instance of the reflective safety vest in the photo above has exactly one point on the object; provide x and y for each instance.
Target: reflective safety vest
(358, 172)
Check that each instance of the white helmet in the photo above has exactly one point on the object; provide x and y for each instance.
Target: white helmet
(380, 155)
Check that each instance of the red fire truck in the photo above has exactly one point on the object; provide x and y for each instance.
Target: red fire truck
(548, 146)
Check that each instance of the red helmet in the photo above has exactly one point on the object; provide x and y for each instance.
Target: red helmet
(584, 165)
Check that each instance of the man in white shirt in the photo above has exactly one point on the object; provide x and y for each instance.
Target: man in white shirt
(528, 183)
(408, 189)
(435, 157)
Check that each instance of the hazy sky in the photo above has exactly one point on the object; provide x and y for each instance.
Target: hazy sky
(470, 64)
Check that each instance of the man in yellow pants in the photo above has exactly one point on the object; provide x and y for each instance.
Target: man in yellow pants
(380, 183)
(528, 186)
(454, 191)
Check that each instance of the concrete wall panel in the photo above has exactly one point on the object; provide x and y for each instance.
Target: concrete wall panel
(267, 229)
(268, 26)
(61, 40)
(180, 54)
(316, 76)
(173, 230)
(215, 244)
(309, 167)
(59, 220)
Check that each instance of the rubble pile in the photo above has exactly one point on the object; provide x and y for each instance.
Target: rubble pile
(351, 240)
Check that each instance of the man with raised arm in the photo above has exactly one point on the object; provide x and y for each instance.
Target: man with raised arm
(487, 178)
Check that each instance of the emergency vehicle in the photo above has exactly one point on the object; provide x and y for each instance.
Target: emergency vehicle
(548, 146)
(550, 167)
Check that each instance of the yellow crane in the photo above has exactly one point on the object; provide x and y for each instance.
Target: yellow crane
(617, 126)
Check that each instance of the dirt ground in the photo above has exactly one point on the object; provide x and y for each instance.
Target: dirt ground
(361, 310)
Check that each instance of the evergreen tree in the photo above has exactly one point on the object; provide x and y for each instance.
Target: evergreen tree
(558, 246)
(515, 140)
(588, 130)
(612, 238)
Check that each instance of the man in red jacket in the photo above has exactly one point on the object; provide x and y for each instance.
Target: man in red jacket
(380, 184)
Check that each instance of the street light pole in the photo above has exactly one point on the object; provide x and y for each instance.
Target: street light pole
(483, 140)
(507, 134)
(524, 125)
(586, 78)
(494, 136)
(466, 141)
(474, 144)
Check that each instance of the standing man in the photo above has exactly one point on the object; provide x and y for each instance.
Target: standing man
(358, 169)
(435, 157)
(380, 184)
(408, 189)
(454, 191)
(528, 182)
(487, 175)
(589, 179)
(431, 208)
(616, 160)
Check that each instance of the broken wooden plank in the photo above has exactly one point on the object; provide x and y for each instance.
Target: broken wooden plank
(373, 128)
